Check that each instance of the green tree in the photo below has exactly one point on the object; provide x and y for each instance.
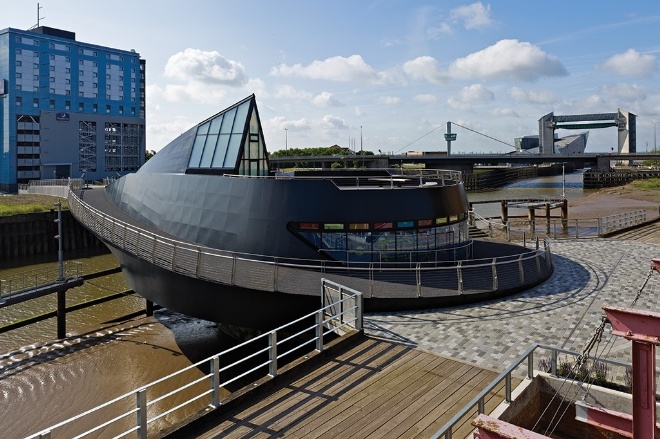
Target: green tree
(148, 154)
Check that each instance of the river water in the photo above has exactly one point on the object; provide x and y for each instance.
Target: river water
(105, 355)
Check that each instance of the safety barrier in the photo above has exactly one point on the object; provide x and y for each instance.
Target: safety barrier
(375, 280)
(258, 358)
(34, 279)
(477, 405)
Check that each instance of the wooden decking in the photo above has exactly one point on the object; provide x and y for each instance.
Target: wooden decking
(374, 388)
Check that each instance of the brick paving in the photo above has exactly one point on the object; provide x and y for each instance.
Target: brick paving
(564, 311)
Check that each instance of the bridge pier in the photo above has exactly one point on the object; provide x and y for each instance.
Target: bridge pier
(61, 314)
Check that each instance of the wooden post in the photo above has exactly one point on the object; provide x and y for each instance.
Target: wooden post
(564, 216)
(505, 212)
(547, 218)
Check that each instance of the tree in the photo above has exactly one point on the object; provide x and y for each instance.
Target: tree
(148, 154)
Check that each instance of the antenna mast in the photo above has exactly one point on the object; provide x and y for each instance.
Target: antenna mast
(39, 17)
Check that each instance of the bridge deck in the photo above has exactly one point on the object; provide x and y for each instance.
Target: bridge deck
(373, 388)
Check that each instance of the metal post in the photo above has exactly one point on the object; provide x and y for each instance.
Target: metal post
(530, 365)
(60, 255)
(319, 331)
(141, 403)
(215, 381)
(272, 354)
(507, 386)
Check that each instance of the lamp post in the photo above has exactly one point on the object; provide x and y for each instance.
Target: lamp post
(655, 144)
(286, 141)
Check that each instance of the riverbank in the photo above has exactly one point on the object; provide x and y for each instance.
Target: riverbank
(616, 200)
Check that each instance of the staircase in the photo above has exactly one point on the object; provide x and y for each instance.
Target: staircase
(475, 232)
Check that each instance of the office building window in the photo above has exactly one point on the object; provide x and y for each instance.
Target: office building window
(95, 108)
(52, 79)
(35, 54)
(19, 75)
(81, 106)
(19, 87)
(19, 101)
(81, 83)
(67, 70)
(35, 77)
(52, 57)
(107, 108)
(133, 111)
(81, 94)
(67, 105)
(67, 92)
(35, 66)
(35, 102)
(121, 109)
(19, 51)
(19, 63)
(51, 90)
(52, 103)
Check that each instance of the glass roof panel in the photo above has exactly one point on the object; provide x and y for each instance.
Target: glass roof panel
(209, 149)
(228, 121)
(232, 151)
(215, 125)
(221, 151)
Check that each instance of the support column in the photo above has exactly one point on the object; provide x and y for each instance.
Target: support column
(61, 314)
(643, 389)
(149, 308)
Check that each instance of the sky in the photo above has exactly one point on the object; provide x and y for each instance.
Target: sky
(382, 75)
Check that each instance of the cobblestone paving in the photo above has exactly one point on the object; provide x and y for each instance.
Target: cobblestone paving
(563, 312)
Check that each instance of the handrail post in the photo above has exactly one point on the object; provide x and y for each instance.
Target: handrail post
(215, 381)
(358, 312)
(481, 406)
(507, 385)
(319, 331)
(459, 273)
(272, 353)
(553, 363)
(494, 269)
(530, 365)
(141, 396)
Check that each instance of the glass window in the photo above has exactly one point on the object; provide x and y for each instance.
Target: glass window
(333, 226)
(441, 220)
(19, 51)
(19, 63)
(308, 226)
(19, 101)
(405, 224)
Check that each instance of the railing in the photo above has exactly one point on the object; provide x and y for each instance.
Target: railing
(573, 228)
(238, 367)
(34, 279)
(390, 178)
(299, 276)
(477, 405)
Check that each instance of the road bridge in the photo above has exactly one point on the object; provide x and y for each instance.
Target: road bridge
(462, 162)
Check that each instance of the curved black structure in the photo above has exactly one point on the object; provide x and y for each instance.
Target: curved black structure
(230, 242)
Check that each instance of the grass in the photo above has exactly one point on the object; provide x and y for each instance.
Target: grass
(651, 184)
(22, 204)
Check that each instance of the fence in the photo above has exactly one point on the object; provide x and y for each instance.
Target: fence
(477, 405)
(260, 357)
(375, 280)
(522, 230)
(33, 279)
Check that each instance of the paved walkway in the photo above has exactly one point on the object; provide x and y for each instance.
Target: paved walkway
(564, 311)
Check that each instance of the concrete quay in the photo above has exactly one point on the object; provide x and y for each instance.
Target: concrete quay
(564, 311)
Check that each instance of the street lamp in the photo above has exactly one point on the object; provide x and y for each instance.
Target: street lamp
(655, 144)
(286, 141)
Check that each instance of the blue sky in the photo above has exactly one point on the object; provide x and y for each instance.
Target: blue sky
(393, 70)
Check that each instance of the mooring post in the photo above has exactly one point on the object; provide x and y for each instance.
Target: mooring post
(564, 215)
(505, 212)
(61, 314)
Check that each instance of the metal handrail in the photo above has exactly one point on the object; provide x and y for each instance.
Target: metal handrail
(332, 317)
(528, 355)
(32, 279)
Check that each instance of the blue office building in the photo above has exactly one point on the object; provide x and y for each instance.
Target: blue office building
(67, 108)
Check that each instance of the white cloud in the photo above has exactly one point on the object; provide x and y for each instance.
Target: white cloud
(533, 96)
(358, 111)
(196, 65)
(427, 98)
(631, 63)
(336, 68)
(333, 122)
(510, 59)
(160, 134)
(474, 16)
(326, 99)
(476, 93)
(625, 92)
(389, 100)
(504, 112)
(427, 68)
(289, 92)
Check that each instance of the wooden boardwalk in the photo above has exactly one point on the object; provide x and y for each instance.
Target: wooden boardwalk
(373, 388)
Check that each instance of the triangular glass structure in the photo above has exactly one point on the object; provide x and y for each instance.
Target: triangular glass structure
(231, 142)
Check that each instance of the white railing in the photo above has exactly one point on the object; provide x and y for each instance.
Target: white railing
(261, 357)
(407, 280)
(612, 369)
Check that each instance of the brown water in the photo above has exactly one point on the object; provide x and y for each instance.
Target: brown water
(44, 381)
